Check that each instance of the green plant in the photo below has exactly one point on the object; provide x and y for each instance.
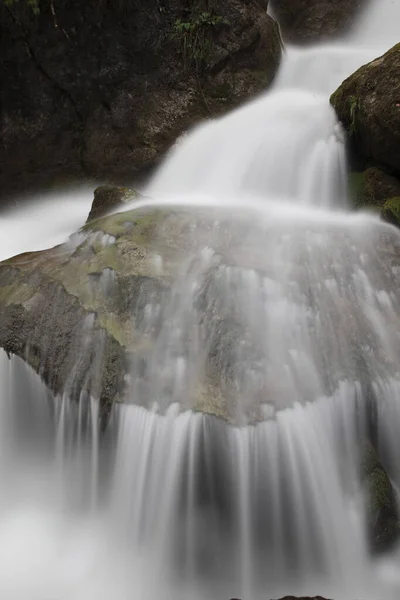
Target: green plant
(354, 105)
(194, 37)
(34, 5)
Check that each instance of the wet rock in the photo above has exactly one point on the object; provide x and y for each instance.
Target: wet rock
(372, 188)
(311, 20)
(391, 211)
(303, 598)
(383, 524)
(368, 105)
(107, 198)
(107, 91)
(86, 314)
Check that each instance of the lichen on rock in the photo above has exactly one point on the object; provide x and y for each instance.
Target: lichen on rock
(88, 312)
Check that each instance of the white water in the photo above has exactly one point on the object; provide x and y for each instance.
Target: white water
(189, 506)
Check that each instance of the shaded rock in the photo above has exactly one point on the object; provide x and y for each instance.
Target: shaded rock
(299, 598)
(383, 524)
(107, 91)
(368, 105)
(303, 598)
(107, 198)
(312, 20)
(391, 211)
(372, 188)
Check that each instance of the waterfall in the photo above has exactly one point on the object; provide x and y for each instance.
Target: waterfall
(292, 325)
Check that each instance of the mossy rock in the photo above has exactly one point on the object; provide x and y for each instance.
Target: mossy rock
(108, 198)
(370, 189)
(382, 513)
(368, 105)
(391, 211)
(89, 300)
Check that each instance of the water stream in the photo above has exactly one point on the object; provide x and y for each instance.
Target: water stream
(174, 503)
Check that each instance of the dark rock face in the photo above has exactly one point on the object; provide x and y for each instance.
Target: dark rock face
(311, 20)
(368, 105)
(103, 89)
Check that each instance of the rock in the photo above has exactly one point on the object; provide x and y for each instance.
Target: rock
(368, 105)
(299, 598)
(303, 598)
(107, 198)
(86, 314)
(312, 20)
(103, 90)
(381, 506)
(391, 211)
(372, 188)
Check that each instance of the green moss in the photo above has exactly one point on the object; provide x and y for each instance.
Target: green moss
(143, 220)
(354, 107)
(209, 400)
(16, 293)
(122, 331)
(391, 211)
(381, 506)
(380, 493)
(355, 183)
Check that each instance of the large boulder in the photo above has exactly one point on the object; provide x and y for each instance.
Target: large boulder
(368, 105)
(102, 90)
(88, 313)
(312, 20)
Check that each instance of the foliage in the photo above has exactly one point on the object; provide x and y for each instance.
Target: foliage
(34, 5)
(354, 105)
(391, 211)
(194, 37)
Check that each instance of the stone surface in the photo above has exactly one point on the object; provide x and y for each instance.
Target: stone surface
(87, 313)
(382, 513)
(372, 188)
(107, 198)
(391, 211)
(311, 20)
(102, 90)
(368, 105)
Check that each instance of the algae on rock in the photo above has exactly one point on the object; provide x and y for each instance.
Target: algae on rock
(383, 519)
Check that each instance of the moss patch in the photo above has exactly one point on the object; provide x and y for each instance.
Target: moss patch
(391, 211)
(381, 507)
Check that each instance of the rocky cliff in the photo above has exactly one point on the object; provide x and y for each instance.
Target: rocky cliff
(102, 89)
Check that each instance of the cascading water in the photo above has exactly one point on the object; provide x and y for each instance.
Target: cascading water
(285, 312)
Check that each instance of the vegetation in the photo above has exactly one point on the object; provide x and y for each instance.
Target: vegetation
(194, 37)
(354, 105)
(34, 5)
(391, 211)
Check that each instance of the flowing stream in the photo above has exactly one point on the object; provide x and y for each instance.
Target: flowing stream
(173, 503)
